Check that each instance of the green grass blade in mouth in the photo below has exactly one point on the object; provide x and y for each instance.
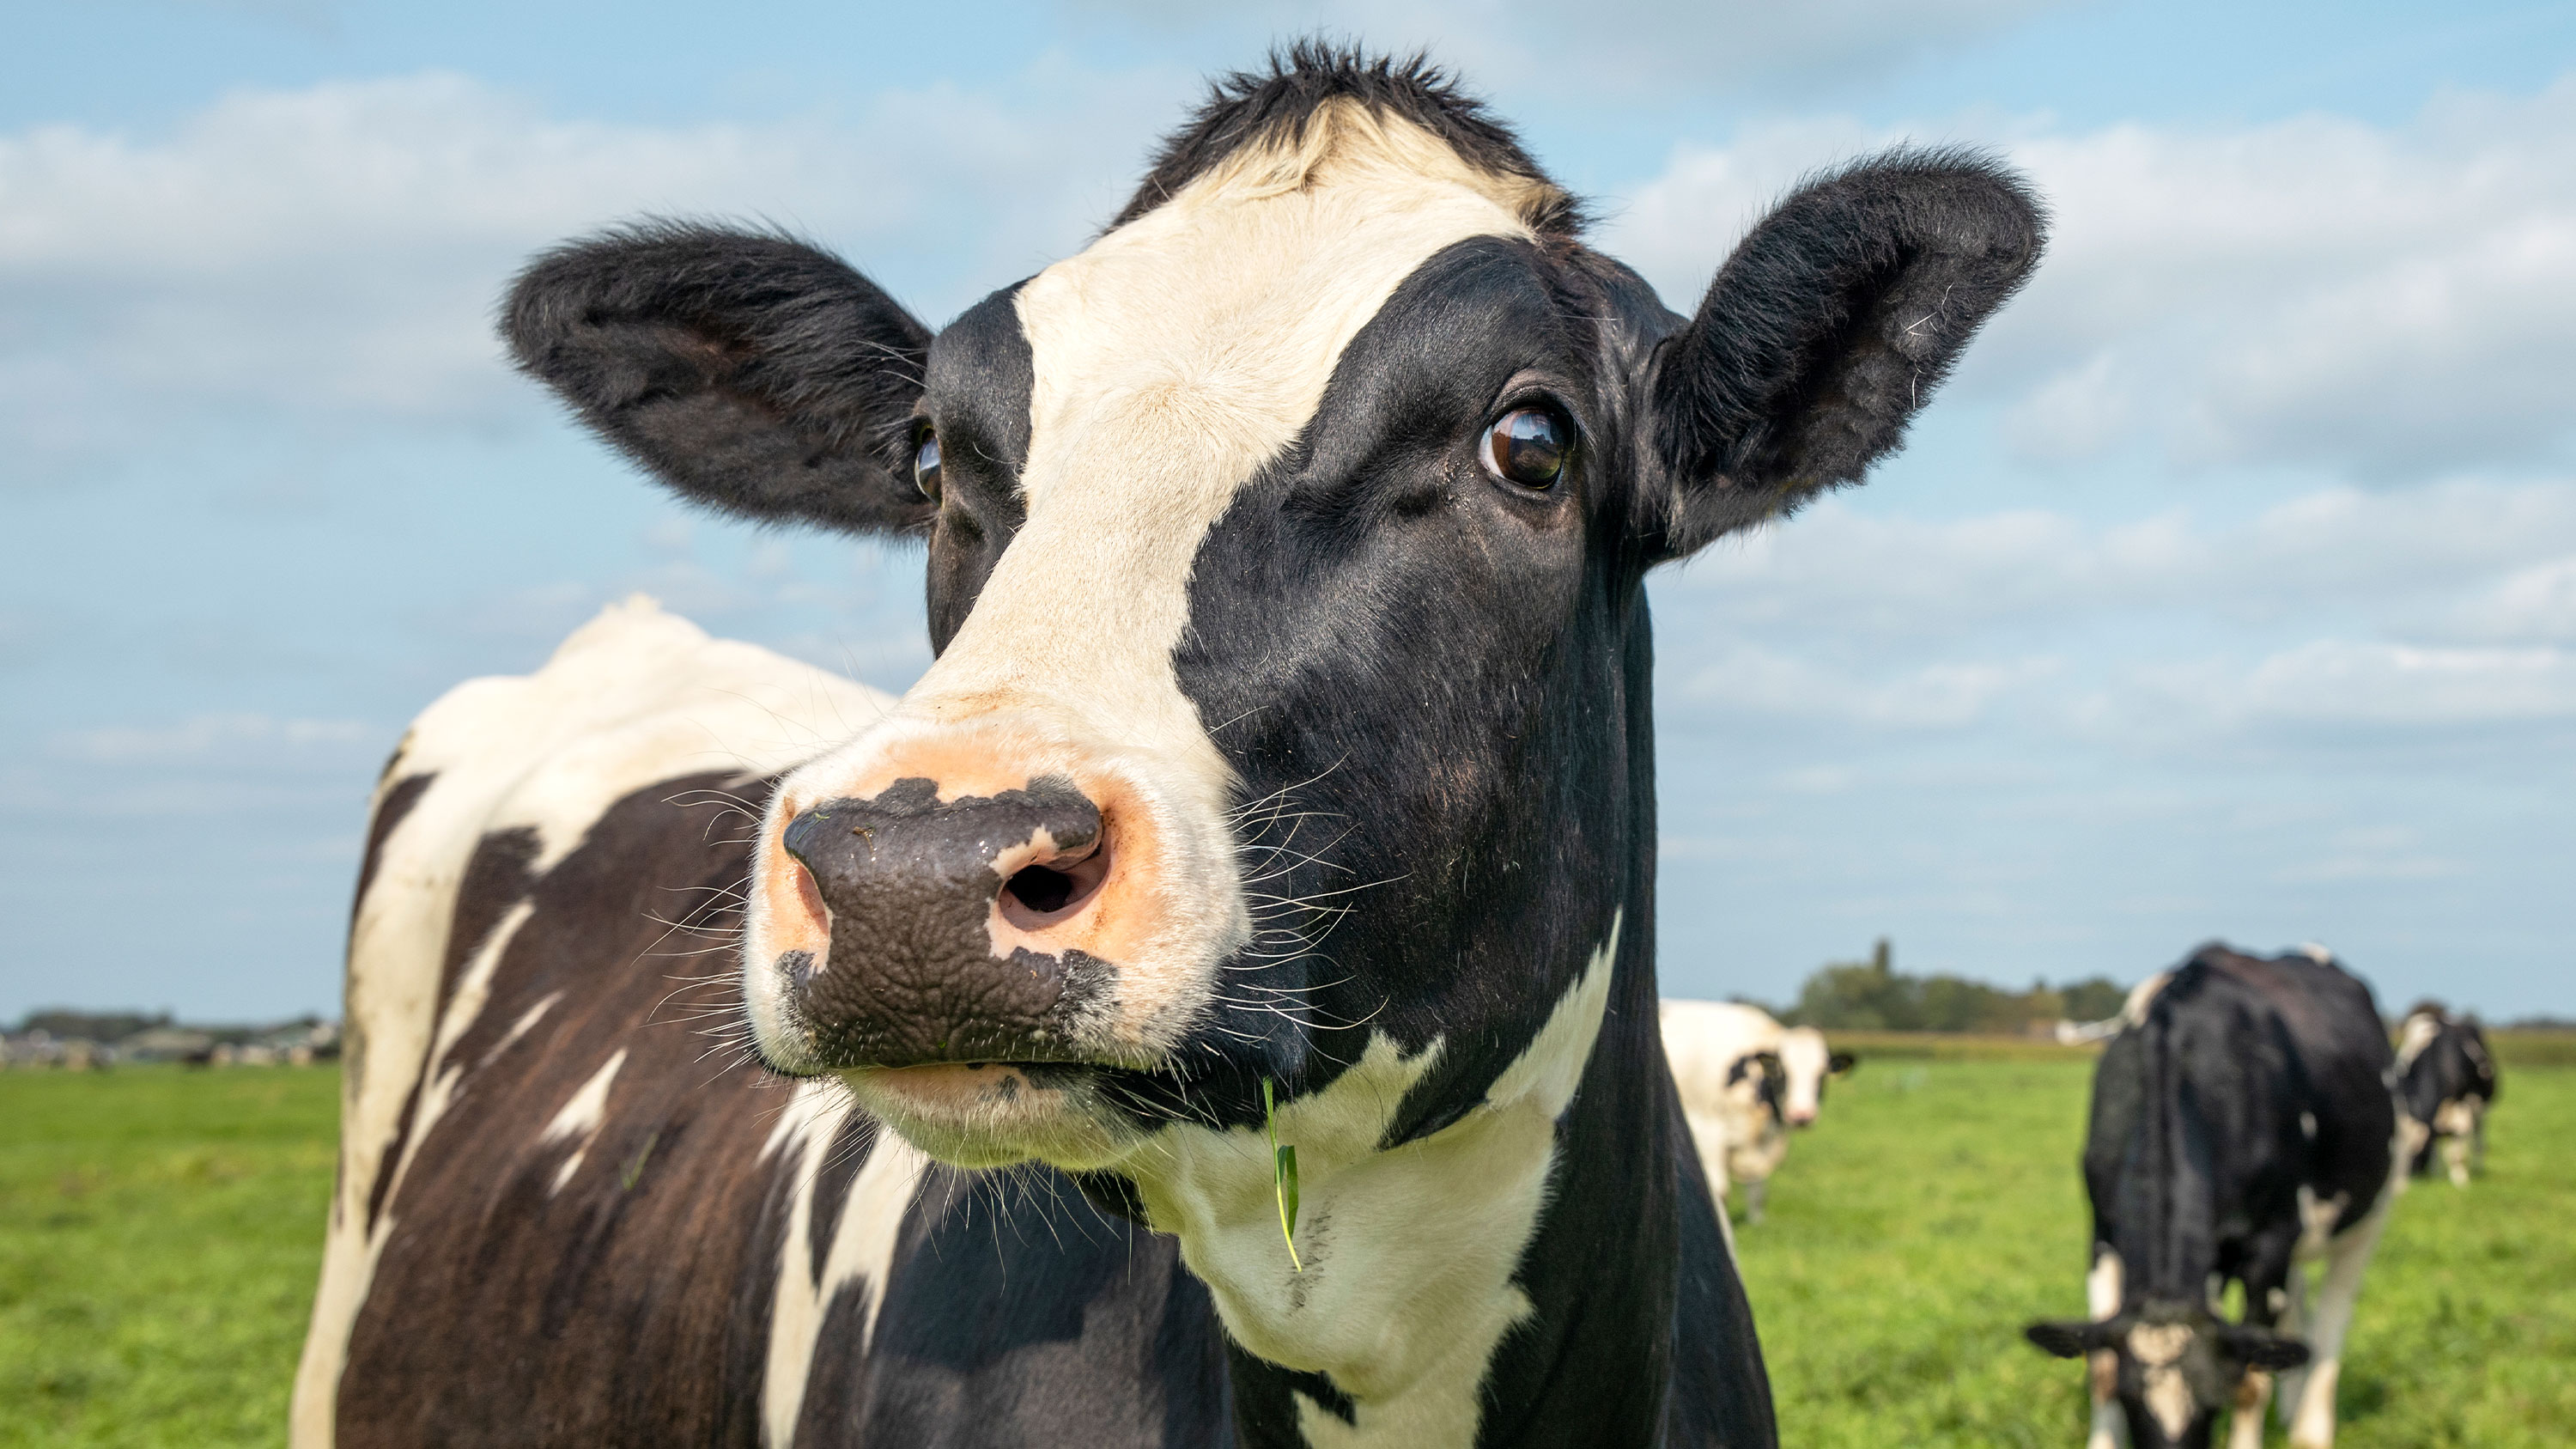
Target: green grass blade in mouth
(1283, 1173)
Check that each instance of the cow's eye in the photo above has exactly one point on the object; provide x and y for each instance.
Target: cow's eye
(925, 466)
(1528, 446)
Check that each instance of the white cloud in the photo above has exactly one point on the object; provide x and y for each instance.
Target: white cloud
(338, 250)
(2391, 302)
(1748, 679)
(2413, 610)
(214, 736)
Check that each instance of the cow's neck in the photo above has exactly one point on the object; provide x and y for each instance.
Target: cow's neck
(1512, 1270)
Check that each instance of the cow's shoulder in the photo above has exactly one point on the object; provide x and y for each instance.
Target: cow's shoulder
(495, 785)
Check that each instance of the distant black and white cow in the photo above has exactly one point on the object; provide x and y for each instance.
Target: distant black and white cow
(1288, 741)
(2447, 1081)
(1745, 1083)
(2242, 1128)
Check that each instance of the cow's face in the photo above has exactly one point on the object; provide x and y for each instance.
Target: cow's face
(2173, 1367)
(1284, 569)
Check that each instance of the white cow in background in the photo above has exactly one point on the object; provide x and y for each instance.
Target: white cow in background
(1745, 1080)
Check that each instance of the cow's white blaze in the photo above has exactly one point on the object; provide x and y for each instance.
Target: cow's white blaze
(1171, 360)
(632, 697)
(1409, 1253)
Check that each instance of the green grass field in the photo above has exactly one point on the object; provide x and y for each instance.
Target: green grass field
(159, 1232)
(1937, 1209)
(159, 1235)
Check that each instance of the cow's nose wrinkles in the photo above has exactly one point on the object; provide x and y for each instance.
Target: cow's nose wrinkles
(908, 887)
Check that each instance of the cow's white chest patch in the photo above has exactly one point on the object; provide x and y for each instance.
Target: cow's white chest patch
(1409, 1252)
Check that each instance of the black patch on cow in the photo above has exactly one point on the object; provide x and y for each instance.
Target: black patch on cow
(1274, 105)
(1112, 1194)
(390, 812)
(981, 378)
(1017, 1315)
(751, 373)
(1265, 1400)
(1825, 332)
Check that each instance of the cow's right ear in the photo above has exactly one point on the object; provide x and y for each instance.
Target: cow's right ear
(2071, 1339)
(750, 373)
(1829, 326)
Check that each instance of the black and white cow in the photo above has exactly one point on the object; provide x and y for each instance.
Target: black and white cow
(1745, 1082)
(2446, 1082)
(1288, 741)
(2242, 1128)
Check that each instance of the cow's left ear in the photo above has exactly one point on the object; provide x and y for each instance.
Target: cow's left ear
(2262, 1349)
(1824, 332)
(2072, 1338)
(751, 373)
(1841, 1064)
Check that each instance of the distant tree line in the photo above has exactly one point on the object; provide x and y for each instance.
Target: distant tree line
(1872, 995)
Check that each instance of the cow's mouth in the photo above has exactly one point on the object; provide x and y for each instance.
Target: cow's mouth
(993, 1113)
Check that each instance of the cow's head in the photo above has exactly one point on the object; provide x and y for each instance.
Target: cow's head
(2173, 1366)
(1806, 1063)
(1285, 548)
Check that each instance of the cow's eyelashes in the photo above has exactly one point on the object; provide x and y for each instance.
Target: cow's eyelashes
(925, 465)
(1528, 446)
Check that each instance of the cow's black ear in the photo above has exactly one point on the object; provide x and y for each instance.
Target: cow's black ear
(2068, 1339)
(751, 373)
(1831, 323)
(2259, 1348)
(1842, 1063)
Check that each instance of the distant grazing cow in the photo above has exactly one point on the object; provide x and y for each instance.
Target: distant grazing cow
(1745, 1080)
(1285, 774)
(2242, 1127)
(2447, 1082)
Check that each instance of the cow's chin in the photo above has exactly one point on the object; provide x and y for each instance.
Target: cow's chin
(994, 1114)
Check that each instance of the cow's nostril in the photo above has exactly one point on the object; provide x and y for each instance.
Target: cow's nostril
(1038, 896)
(1041, 889)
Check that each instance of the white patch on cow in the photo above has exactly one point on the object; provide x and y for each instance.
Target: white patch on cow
(2142, 997)
(2103, 1286)
(632, 697)
(526, 1023)
(580, 1119)
(2306, 1395)
(2158, 1348)
(2420, 1031)
(862, 1248)
(1807, 1060)
(2102, 1290)
(1409, 1252)
(2317, 1217)
(1172, 360)
(2317, 953)
(2308, 1125)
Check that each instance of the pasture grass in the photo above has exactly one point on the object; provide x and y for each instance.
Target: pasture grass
(1938, 1208)
(160, 1231)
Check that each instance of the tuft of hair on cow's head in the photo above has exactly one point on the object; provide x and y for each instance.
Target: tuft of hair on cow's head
(1285, 557)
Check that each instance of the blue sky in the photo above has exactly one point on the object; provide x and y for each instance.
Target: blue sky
(2230, 590)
